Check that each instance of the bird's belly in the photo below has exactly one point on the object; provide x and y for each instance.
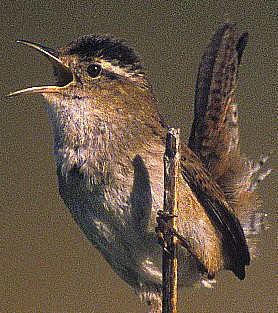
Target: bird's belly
(110, 225)
(122, 227)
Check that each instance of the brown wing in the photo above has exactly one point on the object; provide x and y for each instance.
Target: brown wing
(221, 215)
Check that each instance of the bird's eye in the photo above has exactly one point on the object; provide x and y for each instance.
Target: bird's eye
(94, 70)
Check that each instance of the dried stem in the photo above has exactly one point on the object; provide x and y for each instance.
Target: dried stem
(169, 261)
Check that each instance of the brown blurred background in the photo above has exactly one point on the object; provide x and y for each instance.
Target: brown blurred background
(46, 264)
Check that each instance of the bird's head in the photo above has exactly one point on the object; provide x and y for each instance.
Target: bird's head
(90, 67)
(100, 85)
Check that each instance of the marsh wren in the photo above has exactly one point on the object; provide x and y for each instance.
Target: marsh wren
(109, 141)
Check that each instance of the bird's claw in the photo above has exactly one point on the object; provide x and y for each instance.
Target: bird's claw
(163, 229)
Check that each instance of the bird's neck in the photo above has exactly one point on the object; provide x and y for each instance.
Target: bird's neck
(84, 140)
(97, 142)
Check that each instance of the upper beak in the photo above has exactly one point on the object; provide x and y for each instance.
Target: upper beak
(64, 75)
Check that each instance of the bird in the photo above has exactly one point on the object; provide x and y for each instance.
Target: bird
(109, 142)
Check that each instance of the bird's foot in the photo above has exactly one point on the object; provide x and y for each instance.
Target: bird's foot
(163, 230)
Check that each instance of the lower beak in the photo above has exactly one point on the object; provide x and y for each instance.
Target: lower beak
(64, 75)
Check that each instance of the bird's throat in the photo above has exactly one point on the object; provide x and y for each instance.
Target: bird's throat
(82, 138)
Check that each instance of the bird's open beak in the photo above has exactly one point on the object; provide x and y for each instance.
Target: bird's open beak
(62, 72)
